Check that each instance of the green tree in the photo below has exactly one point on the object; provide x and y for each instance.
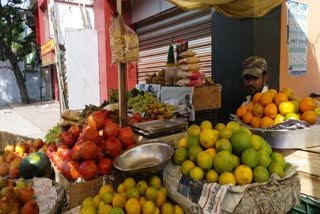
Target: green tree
(13, 46)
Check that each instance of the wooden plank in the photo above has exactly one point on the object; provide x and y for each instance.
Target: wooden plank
(307, 162)
(312, 149)
(310, 185)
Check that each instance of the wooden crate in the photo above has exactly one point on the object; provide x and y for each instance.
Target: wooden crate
(308, 161)
(207, 97)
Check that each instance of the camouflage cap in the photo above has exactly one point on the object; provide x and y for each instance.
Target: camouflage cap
(254, 65)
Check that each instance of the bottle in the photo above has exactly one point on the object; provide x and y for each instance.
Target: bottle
(170, 69)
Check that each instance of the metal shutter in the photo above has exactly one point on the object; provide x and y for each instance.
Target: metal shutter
(156, 33)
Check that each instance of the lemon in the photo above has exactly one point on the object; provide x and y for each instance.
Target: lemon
(151, 194)
(206, 124)
(212, 176)
(107, 197)
(177, 209)
(236, 160)
(219, 126)
(250, 158)
(223, 144)
(105, 209)
(243, 175)
(233, 125)
(119, 200)
(279, 119)
(167, 208)
(105, 188)
(265, 146)
(255, 142)
(96, 200)
(204, 160)
(211, 151)
(208, 138)
(277, 157)
(161, 199)
(193, 152)
(87, 202)
(163, 190)
(148, 207)
(286, 107)
(142, 200)
(89, 210)
(196, 173)
(142, 186)
(133, 193)
(133, 206)
(180, 155)
(129, 183)
(194, 130)
(155, 181)
(223, 162)
(186, 167)
(275, 167)
(227, 178)
(117, 210)
(225, 133)
(183, 143)
(240, 141)
(264, 159)
(121, 188)
(101, 204)
(245, 129)
(260, 174)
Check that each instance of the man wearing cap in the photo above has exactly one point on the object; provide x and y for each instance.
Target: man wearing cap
(255, 76)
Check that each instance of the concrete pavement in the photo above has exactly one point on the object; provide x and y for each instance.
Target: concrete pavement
(31, 120)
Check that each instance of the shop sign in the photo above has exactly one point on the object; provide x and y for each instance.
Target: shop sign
(48, 59)
(48, 47)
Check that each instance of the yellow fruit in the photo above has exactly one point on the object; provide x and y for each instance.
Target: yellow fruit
(236, 160)
(107, 197)
(129, 183)
(183, 143)
(208, 138)
(317, 111)
(148, 207)
(277, 157)
(163, 190)
(293, 116)
(204, 160)
(101, 204)
(105, 209)
(255, 142)
(177, 209)
(286, 107)
(279, 119)
(87, 202)
(133, 193)
(193, 140)
(151, 194)
(233, 125)
(288, 92)
(219, 126)
(260, 174)
(245, 129)
(212, 152)
(180, 155)
(250, 158)
(142, 186)
(96, 200)
(225, 133)
(205, 125)
(264, 159)
(119, 200)
(193, 152)
(212, 176)
(223, 144)
(266, 147)
(117, 210)
(194, 130)
(275, 167)
(157, 211)
(196, 173)
(227, 178)
(121, 188)
(243, 175)
(167, 208)
(223, 162)
(161, 199)
(296, 105)
(133, 206)
(240, 141)
(186, 167)
(155, 181)
(142, 200)
(89, 210)
(105, 188)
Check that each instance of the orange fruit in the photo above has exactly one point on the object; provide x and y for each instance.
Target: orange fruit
(307, 104)
(257, 110)
(255, 122)
(310, 117)
(250, 106)
(241, 111)
(279, 98)
(270, 110)
(266, 122)
(273, 92)
(256, 97)
(266, 98)
(247, 117)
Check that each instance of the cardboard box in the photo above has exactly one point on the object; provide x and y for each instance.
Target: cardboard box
(207, 97)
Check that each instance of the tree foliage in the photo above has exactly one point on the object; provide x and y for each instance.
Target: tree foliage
(13, 45)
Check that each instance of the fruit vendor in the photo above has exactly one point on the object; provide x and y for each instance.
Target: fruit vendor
(255, 76)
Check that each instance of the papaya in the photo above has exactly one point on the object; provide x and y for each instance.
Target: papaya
(36, 164)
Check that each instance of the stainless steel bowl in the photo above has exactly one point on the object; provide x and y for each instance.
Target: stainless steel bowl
(148, 158)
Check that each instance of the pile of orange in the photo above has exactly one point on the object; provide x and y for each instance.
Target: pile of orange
(272, 107)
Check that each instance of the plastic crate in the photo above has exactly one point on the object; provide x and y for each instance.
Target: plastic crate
(307, 205)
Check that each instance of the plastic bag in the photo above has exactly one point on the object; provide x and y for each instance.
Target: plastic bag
(116, 40)
(131, 42)
(189, 60)
(188, 53)
(190, 67)
(190, 82)
(189, 74)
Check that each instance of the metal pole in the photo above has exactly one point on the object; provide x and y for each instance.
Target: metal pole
(122, 85)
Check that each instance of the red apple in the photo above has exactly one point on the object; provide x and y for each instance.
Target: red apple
(14, 172)
(91, 134)
(70, 169)
(75, 153)
(113, 147)
(88, 170)
(126, 136)
(65, 154)
(68, 139)
(88, 150)
(96, 120)
(75, 131)
(105, 166)
(38, 143)
(31, 207)
(4, 169)
(111, 130)
(26, 194)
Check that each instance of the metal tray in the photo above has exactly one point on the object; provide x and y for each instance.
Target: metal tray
(159, 128)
